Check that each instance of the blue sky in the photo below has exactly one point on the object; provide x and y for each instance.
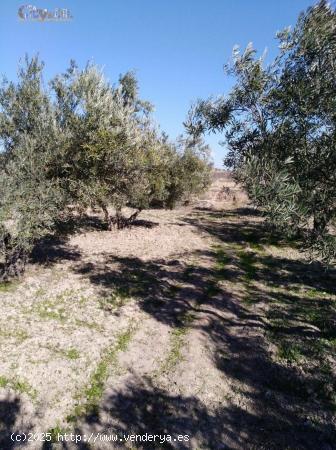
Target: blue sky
(177, 48)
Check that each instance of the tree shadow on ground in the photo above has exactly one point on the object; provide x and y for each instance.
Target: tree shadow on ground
(10, 411)
(275, 404)
(238, 227)
(53, 249)
(145, 223)
(95, 222)
(141, 407)
(280, 396)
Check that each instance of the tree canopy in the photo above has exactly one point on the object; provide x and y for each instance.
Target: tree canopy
(82, 141)
(280, 128)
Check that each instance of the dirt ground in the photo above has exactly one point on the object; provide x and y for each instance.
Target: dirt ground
(199, 325)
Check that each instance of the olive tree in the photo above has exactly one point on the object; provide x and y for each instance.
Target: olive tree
(30, 201)
(111, 141)
(85, 142)
(279, 125)
(116, 155)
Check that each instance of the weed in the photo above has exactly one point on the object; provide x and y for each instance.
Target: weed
(176, 344)
(55, 432)
(332, 342)
(123, 292)
(175, 354)
(54, 309)
(8, 286)
(113, 301)
(315, 293)
(82, 300)
(24, 387)
(212, 289)
(18, 385)
(90, 325)
(40, 292)
(256, 247)
(221, 257)
(247, 261)
(3, 381)
(72, 353)
(95, 388)
(290, 352)
(250, 299)
(222, 260)
(51, 311)
(19, 335)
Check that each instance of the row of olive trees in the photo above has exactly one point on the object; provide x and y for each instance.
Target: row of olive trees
(280, 127)
(81, 141)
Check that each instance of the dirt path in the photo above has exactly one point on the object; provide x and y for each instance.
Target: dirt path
(197, 325)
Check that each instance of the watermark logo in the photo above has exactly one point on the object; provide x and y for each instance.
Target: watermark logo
(32, 13)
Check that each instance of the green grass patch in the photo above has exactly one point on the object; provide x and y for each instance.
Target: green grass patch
(114, 300)
(315, 293)
(71, 353)
(18, 334)
(322, 316)
(50, 310)
(251, 299)
(8, 286)
(222, 260)
(124, 292)
(177, 341)
(94, 390)
(331, 342)
(18, 385)
(40, 292)
(90, 325)
(308, 350)
(247, 262)
(4, 382)
(55, 432)
(55, 309)
(289, 351)
(256, 247)
(175, 353)
(211, 289)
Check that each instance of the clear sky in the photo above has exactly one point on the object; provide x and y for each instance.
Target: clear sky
(177, 47)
